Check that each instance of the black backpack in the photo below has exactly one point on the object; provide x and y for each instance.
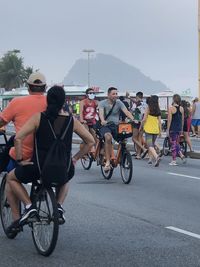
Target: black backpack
(58, 167)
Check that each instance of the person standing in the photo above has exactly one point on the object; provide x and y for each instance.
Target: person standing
(196, 116)
(175, 128)
(187, 122)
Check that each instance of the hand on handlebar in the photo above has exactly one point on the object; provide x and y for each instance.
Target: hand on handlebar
(104, 122)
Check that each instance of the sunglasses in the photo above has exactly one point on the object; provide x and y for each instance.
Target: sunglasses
(91, 93)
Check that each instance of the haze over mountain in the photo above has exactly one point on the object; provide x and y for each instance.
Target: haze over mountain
(107, 70)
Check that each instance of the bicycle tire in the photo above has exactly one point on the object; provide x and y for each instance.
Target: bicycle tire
(44, 241)
(126, 164)
(183, 146)
(5, 210)
(166, 146)
(86, 162)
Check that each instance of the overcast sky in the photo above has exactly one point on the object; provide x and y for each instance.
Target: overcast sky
(157, 36)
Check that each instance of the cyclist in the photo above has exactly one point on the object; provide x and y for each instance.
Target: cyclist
(19, 110)
(28, 171)
(88, 111)
(109, 111)
(175, 124)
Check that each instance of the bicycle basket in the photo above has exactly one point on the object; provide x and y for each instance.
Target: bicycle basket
(125, 130)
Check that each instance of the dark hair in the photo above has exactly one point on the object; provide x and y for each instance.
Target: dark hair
(121, 98)
(139, 94)
(147, 100)
(154, 108)
(177, 99)
(55, 102)
(88, 90)
(184, 104)
(110, 89)
(37, 88)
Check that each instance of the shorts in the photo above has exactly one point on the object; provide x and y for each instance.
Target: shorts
(195, 122)
(150, 139)
(27, 174)
(136, 125)
(109, 128)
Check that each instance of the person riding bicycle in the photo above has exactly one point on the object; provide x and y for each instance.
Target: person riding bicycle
(109, 111)
(18, 111)
(28, 171)
(88, 111)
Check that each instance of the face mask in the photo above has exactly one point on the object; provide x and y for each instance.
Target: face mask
(91, 96)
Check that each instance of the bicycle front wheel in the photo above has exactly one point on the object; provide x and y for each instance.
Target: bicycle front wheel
(126, 167)
(86, 162)
(45, 230)
(5, 210)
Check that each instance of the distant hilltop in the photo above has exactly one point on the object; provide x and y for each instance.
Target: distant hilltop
(107, 70)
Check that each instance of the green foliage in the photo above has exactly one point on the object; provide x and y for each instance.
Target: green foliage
(13, 74)
(163, 114)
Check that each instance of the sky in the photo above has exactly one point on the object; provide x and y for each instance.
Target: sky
(159, 37)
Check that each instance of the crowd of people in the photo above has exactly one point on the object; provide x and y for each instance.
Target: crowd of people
(32, 114)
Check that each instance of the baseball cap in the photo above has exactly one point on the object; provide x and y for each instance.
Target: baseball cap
(37, 79)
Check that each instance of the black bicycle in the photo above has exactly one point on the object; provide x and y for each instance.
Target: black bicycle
(167, 146)
(45, 226)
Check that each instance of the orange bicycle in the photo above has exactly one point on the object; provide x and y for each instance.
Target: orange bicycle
(122, 157)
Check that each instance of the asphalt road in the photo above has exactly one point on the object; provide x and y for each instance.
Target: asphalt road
(113, 224)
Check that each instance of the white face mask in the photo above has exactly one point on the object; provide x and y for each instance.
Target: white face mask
(91, 96)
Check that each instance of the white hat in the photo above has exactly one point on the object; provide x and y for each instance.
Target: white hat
(37, 79)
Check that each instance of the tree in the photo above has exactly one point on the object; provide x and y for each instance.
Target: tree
(12, 71)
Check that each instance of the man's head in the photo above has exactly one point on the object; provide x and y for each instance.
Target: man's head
(139, 96)
(112, 93)
(90, 93)
(36, 82)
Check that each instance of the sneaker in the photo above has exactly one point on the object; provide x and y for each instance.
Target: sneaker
(157, 162)
(149, 162)
(15, 227)
(61, 212)
(28, 213)
(192, 135)
(173, 163)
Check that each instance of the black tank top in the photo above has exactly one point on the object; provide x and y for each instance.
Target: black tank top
(45, 138)
(176, 123)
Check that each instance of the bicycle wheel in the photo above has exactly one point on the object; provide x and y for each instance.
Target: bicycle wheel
(126, 167)
(183, 146)
(45, 230)
(5, 210)
(166, 146)
(86, 162)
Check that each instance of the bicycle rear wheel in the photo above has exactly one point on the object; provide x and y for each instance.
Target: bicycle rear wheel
(45, 230)
(86, 162)
(5, 210)
(126, 167)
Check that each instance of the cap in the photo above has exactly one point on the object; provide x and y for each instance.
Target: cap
(36, 78)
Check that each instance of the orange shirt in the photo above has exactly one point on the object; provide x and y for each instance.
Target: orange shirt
(19, 110)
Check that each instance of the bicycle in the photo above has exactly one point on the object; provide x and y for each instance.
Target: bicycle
(167, 145)
(45, 226)
(122, 157)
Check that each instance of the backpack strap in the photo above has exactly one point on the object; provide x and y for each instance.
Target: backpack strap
(110, 111)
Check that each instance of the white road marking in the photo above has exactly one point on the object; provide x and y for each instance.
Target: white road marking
(184, 175)
(183, 231)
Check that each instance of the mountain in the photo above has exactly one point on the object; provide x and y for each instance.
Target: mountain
(107, 70)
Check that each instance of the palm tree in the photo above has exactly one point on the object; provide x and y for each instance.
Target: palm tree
(11, 70)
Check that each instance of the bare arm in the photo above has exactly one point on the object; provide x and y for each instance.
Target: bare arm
(29, 127)
(81, 111)
(169, 119)
(146, 113)
(85, 136)
(193, 108)
(101, 116)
